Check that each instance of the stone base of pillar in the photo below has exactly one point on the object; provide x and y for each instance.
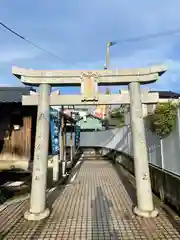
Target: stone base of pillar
(148, 214)
(56, 168)
(37, 216)
(63, 168)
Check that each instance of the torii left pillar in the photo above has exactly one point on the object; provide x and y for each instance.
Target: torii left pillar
(38, 208)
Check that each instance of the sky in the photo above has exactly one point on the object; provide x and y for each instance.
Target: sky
(77, 32)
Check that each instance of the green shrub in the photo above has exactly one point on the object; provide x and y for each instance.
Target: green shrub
(163, 120)
(117, 113)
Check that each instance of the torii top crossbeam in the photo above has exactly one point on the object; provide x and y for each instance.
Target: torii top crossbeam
(101, 77)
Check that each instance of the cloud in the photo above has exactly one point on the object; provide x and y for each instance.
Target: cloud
(13, 53)
(78, 31)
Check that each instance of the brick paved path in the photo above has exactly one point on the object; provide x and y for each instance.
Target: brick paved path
(96, 205)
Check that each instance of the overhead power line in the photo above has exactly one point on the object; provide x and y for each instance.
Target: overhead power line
(133, 39)
(149, 36)
(33, 44)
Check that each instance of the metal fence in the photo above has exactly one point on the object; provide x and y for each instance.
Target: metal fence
(165, 153)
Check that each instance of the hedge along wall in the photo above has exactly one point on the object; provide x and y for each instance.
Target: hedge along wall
(163, 121)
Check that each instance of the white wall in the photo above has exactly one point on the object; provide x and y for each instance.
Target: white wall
(171, 149)
(118, 139)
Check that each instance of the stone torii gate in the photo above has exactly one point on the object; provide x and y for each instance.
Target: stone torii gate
(89, 81)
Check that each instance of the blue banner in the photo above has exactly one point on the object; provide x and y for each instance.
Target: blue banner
(77, 135)
(54, 126)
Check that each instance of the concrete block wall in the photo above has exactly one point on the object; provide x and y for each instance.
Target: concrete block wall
(161, 181)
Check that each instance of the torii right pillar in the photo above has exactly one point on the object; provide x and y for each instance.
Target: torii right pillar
(145, 207)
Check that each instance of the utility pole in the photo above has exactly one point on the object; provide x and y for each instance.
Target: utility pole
(108, 45)
(107, 66)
